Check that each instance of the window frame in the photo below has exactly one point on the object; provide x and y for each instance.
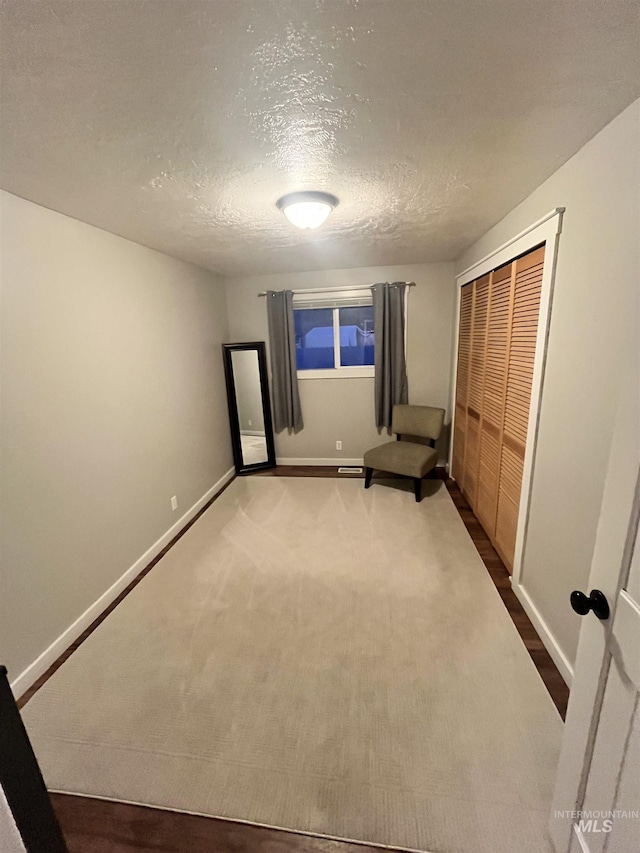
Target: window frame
(365, 371)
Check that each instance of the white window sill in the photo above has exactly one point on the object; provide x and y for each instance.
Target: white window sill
(338, 373)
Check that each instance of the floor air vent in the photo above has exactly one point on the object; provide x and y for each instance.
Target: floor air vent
(344, 470)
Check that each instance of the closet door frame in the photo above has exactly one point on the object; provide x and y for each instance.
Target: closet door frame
(546, 230)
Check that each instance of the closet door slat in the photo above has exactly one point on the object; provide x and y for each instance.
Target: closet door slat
(493, 397)
(464, 342)
(520, 357)
(475, 387)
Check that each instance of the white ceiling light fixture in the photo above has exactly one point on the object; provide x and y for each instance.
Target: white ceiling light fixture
(307, 209)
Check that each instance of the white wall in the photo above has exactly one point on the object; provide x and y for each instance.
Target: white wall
(343, 409)
(593, 333)
(113, 400)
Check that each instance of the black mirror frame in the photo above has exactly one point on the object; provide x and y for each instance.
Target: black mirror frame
(260, 348)
(22, 783)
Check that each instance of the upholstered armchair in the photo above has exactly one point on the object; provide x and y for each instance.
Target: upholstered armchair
(409, 455)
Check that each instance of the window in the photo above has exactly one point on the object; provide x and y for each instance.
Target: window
(356, 335)
(334, 335)
(314, 338)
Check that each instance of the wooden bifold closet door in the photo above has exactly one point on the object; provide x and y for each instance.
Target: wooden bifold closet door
(496, 351)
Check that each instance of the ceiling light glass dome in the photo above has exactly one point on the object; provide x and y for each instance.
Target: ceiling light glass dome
(307, 209)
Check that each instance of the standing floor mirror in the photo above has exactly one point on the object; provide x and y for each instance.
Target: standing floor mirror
(245, 370)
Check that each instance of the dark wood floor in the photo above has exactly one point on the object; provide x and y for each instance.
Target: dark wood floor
(305, 471)
(98, 826)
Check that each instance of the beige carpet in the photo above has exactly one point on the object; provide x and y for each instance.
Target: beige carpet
(314, 656)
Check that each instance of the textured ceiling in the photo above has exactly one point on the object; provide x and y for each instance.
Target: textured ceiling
(178, 123)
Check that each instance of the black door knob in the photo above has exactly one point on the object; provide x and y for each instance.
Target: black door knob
(596, 601)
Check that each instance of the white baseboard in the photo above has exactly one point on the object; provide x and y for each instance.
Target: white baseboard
(259, 432)
(315, 460)
(42, 663)
(544, 632)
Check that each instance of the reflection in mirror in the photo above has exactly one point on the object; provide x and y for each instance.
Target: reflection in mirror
(246, 378)
(249, 408)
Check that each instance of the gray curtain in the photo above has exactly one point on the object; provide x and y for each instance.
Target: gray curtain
(287, 413)
(391, 369)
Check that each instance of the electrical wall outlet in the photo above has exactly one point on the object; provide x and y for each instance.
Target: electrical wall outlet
(338, 445)
(250, 423)
(174, 503)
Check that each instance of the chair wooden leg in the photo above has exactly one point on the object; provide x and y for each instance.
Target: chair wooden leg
(417, 487)
(368, 474)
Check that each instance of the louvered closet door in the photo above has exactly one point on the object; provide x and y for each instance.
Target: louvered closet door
(462, 379)
(475, 387)
(520, 357)
(493, 397)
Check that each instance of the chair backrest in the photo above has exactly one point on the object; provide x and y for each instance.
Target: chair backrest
(421, 421)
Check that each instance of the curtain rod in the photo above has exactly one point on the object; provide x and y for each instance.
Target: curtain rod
(333, 289)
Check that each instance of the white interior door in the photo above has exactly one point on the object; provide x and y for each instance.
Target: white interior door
(596, 806)
(613, 783)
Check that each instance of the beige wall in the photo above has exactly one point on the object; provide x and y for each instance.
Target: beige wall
(593, 333)
(342, 409)
(113, 400)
